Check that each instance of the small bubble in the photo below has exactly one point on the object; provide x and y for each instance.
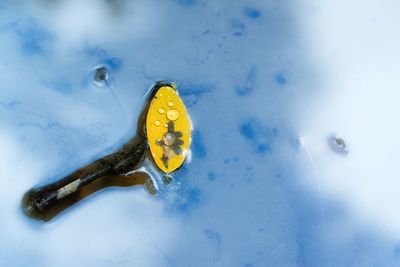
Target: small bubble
(166, 125)
(338, 145)
(167, 179)
(157, 123)
(300, 141)
(172, 114)
(100, 75)
(161, 110)
(170, 103)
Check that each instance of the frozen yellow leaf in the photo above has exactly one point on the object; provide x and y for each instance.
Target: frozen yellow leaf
(168, 129)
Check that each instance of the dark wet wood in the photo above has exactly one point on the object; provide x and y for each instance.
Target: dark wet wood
(113, 170)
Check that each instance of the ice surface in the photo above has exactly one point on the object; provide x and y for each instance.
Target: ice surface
(266, 84)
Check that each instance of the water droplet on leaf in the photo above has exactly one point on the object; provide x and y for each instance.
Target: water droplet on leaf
(168, 139)
(172, 114)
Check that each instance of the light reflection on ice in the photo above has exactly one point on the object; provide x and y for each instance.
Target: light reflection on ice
(358, 101)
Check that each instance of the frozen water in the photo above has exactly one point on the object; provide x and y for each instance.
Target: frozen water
(266, 83)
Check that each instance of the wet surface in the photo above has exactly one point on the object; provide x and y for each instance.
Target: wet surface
(266, 84)
(47, 201)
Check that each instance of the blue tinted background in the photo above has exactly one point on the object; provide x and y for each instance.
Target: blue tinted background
(244, 71)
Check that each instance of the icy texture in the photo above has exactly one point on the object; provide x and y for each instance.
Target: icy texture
(266, 83)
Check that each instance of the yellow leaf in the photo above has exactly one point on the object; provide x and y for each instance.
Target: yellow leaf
(168, 129)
